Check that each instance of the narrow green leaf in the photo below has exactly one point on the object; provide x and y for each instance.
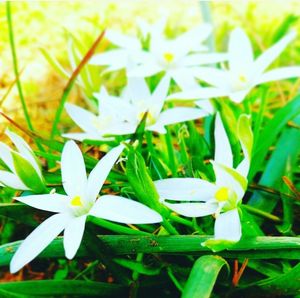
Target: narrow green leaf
(252, 248)
(203, 277)
(269, 134)
(54, 288)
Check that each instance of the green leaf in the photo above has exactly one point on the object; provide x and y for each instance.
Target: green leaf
(18, 212)
(54, 288)
(141, 181)
(203, 277)
(27, 173)
(252, 248)
(281, 285)
(287, 150)
(269, 134)
(137, 266)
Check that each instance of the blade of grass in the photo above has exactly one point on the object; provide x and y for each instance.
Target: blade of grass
(203, 277)
(71, 82)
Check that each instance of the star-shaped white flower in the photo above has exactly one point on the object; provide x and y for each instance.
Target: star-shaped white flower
(25, 172)
(176, 56)
(122, 115)
(244, 72)
(197, 197)
(74, 207)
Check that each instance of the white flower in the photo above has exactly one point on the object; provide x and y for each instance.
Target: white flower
(244, 72)
(74, 207)
(122, 115)
(25, 172)
(111, 119)
(200, 197)
(176, 56)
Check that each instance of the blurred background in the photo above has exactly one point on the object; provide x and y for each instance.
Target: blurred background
(48, 31)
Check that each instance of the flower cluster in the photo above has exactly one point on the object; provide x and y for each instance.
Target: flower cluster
(183, 63)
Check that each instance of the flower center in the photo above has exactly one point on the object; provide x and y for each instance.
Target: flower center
(242, 78)
(76, 202)
(150, 118)
(169, 57)
(222, 194)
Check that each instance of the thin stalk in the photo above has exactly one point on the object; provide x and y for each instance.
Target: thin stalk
(261, 213)
(149, 140)
(174, 279)
(171, 153)
(115, 227)
(181, 220)
(15, 63)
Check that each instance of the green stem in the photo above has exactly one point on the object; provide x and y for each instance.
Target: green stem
(261, 213)
(174, 279)
(169, 227)
(15, 63)
(181, 220)
(150, 146)
(115, 227)
(171, 154)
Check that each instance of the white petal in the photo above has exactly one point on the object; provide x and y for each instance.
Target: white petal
(280, 74)
(177, 115)
(123, 210)
(193, 209)
(239, 96)
(99, 174)
(216, 77)
(122, 40)
(137, 89)
(80, 136)
(202, 59)
(228, 177)
(240, 52)
(38, 240)
(184, 79)
(116, 59)
(223, 153)
(83, 118)
(206, 105)
(73, 170)
(12, 180)
(198, 93)
(5, 155)
(185, 189)
(73, 235)
(48, 202)
(24, 150)
(266, 59)
(228, 226)
(145, 70)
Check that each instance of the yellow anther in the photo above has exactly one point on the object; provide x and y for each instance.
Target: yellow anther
(150, 119)
(169, 57)
(76, 201)
(242, 78)
(222, 194)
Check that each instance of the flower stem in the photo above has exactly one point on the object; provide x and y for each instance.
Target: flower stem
(15, 64)
(261, 213)
(171, 154)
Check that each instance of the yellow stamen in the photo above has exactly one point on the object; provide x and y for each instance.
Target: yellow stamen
(150, 118)
(222, 194)
(169, 57)
(242, 78)
(76, 201)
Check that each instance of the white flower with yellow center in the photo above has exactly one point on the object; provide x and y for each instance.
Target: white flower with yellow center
(177, 56)
(74, 207)
(122, 115)
(197, 197)
(244, 72)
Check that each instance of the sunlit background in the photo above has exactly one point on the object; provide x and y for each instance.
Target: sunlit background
(47, 26)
